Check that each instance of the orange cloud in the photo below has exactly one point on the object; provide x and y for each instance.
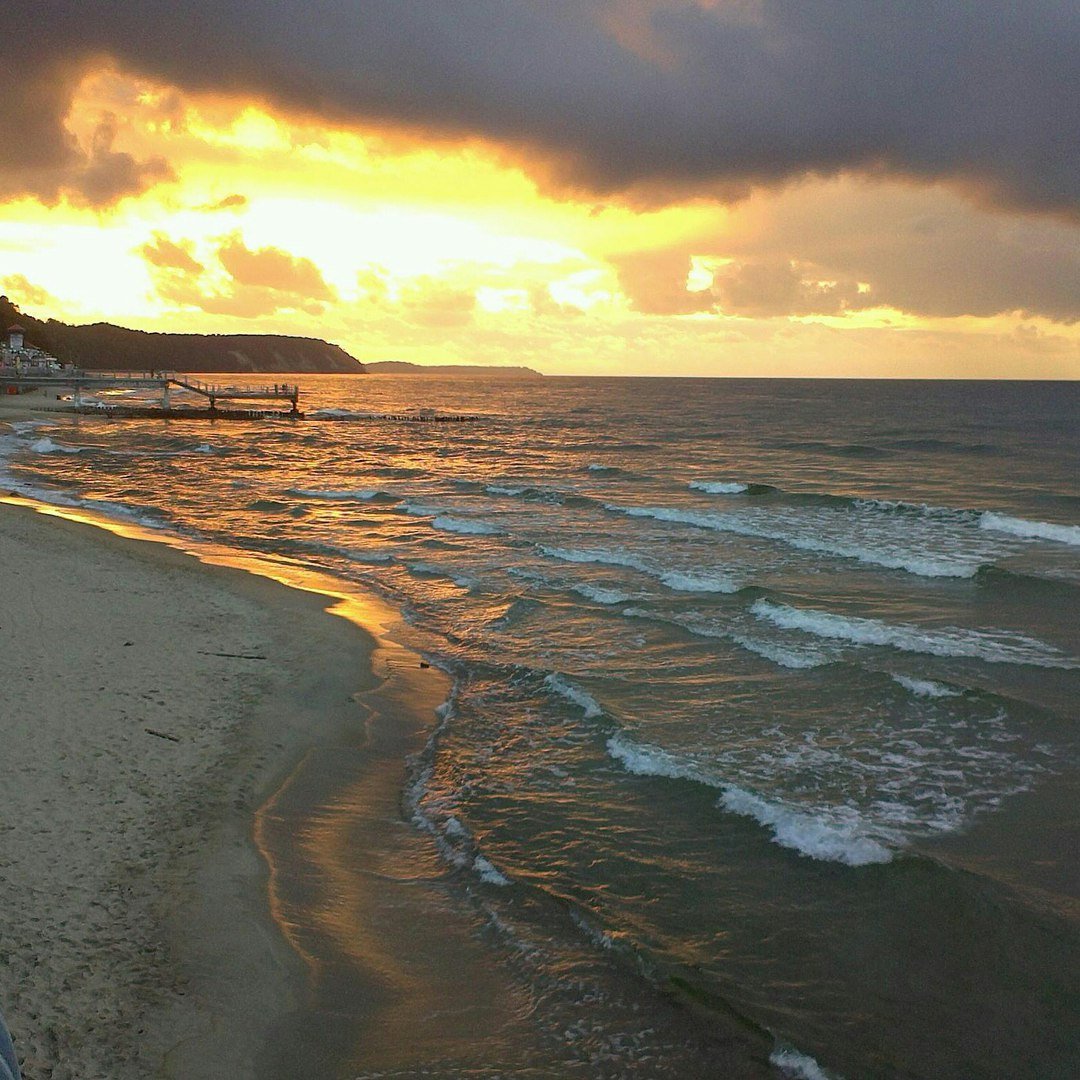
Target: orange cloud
(273, 269)
(230, 202)
(26, 293)
(163, 253)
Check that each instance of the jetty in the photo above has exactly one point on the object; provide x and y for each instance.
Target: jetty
(220, 401)
(21, 378)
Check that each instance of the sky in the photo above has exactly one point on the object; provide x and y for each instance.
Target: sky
(590, 187)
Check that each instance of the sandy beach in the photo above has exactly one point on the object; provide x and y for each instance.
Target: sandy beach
(150, 705)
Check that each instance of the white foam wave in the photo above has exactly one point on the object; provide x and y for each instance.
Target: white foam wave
(500, 489)
(464, 526)
(598, 468)
(898, 506)
(997, 646)
(566, 689)
(683, 582)
(340, 414)
(359, 555)
(600, 595)
(21, 426)
(140, 515)
(798, 659)
(816, 837)
(488, 873)
(718, 487)
(801, 1066)
(348, 495)
(926, 687)
(939, 564)
(836, 834)
(1030, 530)
(47, 446)
(462, 581)
(606, 558)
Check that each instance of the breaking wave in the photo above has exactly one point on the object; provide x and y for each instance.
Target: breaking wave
(836, 834)
(938, 564)
(347, 495)
(562, 686)
(718, 487)
(684, 582)
(992, 646)
(464, 526)
(47, 446)
(1030, 530)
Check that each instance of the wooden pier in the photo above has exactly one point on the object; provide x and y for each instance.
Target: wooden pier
(214, 394)
(164, 383)
(80, 382)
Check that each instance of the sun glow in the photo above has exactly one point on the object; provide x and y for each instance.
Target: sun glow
(399, 247)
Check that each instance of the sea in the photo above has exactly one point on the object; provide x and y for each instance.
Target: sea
(764, 693)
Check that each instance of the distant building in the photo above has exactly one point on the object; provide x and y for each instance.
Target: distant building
(25, 359)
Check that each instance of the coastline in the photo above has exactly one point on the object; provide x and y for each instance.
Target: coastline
(143, 736)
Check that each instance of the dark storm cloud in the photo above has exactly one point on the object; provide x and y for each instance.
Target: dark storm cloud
(621, 94)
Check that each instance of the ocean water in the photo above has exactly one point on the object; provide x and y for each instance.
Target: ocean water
(765, 692)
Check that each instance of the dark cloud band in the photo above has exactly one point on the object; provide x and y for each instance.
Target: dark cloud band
(621, 94)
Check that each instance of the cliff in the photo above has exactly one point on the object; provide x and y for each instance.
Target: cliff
(102, 346)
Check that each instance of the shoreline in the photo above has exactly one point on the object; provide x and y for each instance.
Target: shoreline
(322, 935)
(179, 970)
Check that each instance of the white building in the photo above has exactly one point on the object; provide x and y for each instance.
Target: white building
(15, 353)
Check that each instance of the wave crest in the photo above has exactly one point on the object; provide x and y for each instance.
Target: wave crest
(834, 835)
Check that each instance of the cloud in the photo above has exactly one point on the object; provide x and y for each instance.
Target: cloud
(920, 250)
(25, 293)
(230, 202)
(655, 282)
(163, 253)
(273, 269)
(246, 283)
(766, 287)
(829, 247)
(426, 301)
(39, 156)
(618, 95)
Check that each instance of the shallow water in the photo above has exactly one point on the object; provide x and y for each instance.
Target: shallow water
(765, 692)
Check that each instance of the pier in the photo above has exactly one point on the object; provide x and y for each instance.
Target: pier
(223, 402)
(16, 380)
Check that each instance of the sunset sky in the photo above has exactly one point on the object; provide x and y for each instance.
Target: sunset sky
(671, 187)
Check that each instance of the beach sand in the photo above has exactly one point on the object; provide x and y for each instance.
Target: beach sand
(148, 706)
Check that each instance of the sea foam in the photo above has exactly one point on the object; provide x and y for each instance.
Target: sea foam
(605, 558)
(836, 834)
(600, 595)
(688, 582)
(1030, 530)
(926, 687)
(464, 526)
(936, 564)
(347, 495)
(562, 686)
(996, 647)
(794, 1063)
(47, 446)
(718, 487)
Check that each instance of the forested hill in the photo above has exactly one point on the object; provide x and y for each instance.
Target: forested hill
(102, 346)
